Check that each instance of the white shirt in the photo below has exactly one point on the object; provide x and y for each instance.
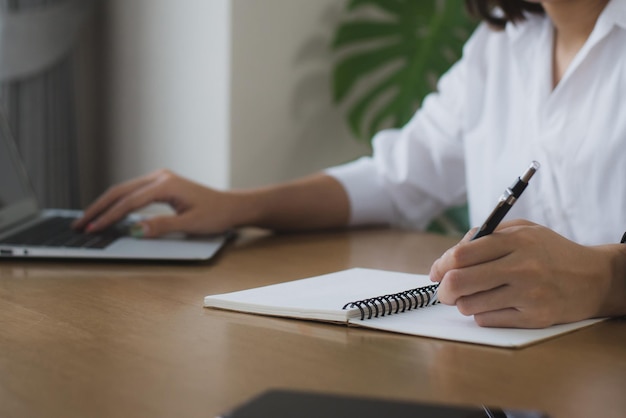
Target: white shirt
(495, 111)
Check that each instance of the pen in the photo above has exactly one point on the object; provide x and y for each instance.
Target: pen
(505, 203)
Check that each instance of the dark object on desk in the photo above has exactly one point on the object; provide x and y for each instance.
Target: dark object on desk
(292, 404)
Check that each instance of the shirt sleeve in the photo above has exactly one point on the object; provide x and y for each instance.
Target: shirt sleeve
(418, 171)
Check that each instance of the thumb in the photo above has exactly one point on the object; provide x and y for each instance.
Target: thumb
(156, 226)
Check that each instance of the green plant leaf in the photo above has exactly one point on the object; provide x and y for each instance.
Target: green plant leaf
(417, 39)
(398, 54)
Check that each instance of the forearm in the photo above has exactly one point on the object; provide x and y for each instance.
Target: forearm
(314, 202)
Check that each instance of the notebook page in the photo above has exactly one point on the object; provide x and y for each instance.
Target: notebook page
(446, 322)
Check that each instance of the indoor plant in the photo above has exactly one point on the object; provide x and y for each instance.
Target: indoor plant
(389, 56)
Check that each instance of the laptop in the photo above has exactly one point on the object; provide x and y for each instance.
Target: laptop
(29, 231)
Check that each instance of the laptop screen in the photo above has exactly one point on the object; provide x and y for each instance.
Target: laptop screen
(17, 201)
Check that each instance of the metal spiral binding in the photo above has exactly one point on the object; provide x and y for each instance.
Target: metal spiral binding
(394, 303)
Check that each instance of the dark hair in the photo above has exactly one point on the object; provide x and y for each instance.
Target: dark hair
(509, 11)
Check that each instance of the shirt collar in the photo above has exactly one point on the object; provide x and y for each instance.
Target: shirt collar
(614, 14)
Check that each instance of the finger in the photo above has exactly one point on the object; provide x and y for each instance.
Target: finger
(508, 305)
(471, 280)
(110, 197)
(490, 308)
(187, 222)
(476, 252)
(494, 299)
(469, 234)
(156, 226)
(138, 199)
(493, 308)
(512, 318)
(161, 225)
(436, 270)
(514, 223)
(505, 318)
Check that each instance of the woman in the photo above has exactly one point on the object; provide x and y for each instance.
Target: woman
(538, 81)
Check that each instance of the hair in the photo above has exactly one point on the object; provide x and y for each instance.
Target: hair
(498, 13)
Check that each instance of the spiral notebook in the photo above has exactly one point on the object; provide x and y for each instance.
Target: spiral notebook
(383, 300)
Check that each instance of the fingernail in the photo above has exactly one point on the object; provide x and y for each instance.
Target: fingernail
(138, 230)
(90, 227)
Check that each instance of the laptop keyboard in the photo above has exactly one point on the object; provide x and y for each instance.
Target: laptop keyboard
(58, 232)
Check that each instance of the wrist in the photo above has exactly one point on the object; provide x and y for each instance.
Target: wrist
(246, 208)
(622, 275)
(615, 304)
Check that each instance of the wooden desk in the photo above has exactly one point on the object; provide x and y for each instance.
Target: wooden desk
(97, 339)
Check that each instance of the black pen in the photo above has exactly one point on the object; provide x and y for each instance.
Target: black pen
(505, 203)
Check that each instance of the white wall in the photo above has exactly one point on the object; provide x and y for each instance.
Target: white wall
(167, 88)
(232, 93)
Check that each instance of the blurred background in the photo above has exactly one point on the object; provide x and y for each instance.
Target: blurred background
(232, 93)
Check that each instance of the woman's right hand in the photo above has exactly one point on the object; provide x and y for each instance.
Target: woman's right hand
(198, 209)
